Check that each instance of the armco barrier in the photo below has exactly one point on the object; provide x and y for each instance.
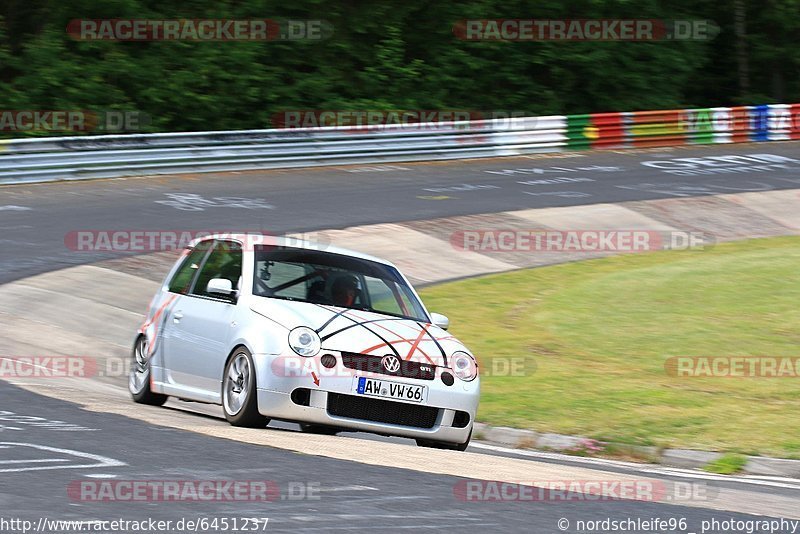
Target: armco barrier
(580, 132)
(609, 130)
(781, 125)
(107, 156)
(657, 128)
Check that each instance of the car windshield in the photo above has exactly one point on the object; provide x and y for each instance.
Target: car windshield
(333, 279)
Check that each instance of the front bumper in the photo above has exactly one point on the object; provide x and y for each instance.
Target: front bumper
(312, 403)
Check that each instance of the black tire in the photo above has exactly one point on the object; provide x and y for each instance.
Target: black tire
(139, 376)
(239, 399)
(326, 430)
(444, 445)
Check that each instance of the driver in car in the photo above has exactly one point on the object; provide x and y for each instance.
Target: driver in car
(344, 291)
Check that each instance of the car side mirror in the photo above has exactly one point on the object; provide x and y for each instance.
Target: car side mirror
(440, 320)
(220, 286)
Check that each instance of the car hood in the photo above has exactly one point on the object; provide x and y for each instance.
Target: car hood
(364, 332)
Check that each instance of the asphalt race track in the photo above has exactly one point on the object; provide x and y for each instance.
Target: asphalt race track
(308, 493)
(41, 465)
(34, 219)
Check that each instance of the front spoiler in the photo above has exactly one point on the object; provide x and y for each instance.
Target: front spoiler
(279, 405)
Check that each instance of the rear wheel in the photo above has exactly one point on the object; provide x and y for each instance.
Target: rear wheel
(239, 400)
(139, 376)
(445, 445)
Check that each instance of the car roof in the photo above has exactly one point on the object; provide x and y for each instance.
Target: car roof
(289, 242)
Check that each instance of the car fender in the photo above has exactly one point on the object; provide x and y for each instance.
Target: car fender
(264, 338)
(259, 334)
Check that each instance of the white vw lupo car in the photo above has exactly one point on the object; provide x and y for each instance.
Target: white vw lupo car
(332, 339)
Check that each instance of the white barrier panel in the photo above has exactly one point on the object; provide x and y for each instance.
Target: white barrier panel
(780, 122)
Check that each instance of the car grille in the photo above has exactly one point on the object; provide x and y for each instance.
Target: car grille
(372, 364)
(382, 411)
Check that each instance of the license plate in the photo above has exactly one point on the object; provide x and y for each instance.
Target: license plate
(390, 390)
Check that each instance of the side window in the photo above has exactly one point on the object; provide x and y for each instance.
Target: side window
(277, 275)
(225, 261)
(381, 296)
(408, 304)
(182, 279)
(390, 297)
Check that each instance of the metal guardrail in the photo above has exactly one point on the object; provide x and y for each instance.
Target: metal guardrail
(108, 156)
(70, 158)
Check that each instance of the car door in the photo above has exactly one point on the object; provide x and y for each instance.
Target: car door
(201, 323)
(170, 336)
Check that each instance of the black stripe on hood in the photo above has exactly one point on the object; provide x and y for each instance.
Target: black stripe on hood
(361, 324)
(441, 349)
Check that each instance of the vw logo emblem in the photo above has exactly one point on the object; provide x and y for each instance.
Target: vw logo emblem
(391, 363)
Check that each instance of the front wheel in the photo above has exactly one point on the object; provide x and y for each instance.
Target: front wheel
(442, 445)
(139, 376)
(239, 399)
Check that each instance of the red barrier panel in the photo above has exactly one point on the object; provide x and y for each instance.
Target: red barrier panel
(610, 130)
(795, 131)
(740, 124)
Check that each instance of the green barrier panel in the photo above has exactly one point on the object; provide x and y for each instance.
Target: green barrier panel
(700, 126)
(580, 132)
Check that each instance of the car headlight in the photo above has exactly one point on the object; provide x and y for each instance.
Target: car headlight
(464, 366)
(304, 341)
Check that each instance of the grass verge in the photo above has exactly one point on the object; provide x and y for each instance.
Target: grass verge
(595, 336)
(727, 464)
